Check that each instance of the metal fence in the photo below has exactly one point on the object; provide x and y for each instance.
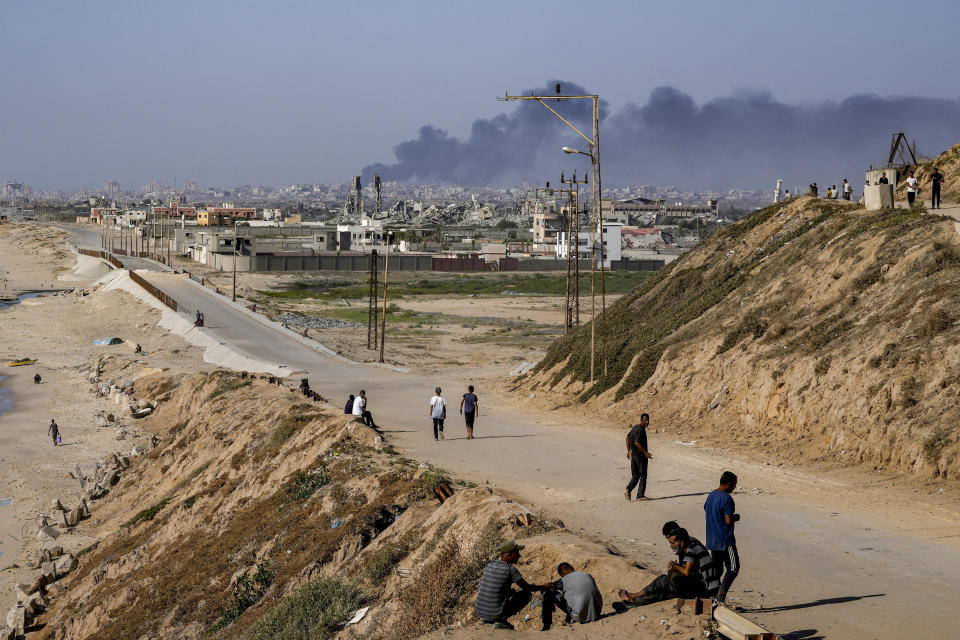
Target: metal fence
(156, 293)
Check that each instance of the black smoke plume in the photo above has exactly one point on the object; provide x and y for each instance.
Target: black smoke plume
(748, 139)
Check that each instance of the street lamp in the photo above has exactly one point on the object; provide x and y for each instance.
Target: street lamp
(235, 253)
(594, 155)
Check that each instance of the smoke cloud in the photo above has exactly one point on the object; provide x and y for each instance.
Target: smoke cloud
(748, 140)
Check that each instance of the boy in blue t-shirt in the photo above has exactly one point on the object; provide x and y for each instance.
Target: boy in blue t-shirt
(721, 515)
(470, 410)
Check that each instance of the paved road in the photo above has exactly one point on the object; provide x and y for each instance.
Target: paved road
(824, 567)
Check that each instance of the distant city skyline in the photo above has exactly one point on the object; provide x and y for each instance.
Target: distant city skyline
(700, 94)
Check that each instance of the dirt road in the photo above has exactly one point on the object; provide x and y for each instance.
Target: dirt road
(823, 556)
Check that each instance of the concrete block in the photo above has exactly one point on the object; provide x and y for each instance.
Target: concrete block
(6, 633)
(65, 564)
(47, 533)
(878, 196)
(17, 619)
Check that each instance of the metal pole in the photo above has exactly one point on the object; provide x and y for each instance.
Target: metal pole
(169, 261)
(599, 191)
(567, 319)
(234, 260)
(383, 316)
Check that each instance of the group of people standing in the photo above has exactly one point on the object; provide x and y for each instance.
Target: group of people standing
(913, 188)
(834, 192)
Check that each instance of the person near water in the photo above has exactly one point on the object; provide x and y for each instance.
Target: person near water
(360, 409)
(638, 454)
(53, 431)
(693, 574)
(935, 179)
(438, 412)
(721, 516)
(470, 410)
(575, 593)
(348, 408)
(496, 599)
(911, 190)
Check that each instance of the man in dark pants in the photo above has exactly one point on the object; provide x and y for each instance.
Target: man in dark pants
(935, 179)
(693, 575)
(53, 430)
(638, 455)
(721, 516)
(470, 409)
(496, 599)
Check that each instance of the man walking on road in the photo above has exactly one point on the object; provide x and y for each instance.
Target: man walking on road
(721, 516)
(638, 455)
(470, 410)
(438, 411)
(935, 179)
(54, 431)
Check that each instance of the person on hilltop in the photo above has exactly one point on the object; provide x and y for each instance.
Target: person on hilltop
(438, 412)
(638, 455)
(847, 190)
(693, 575)
(721, 517)
(470, 410)
(360, 410)
(348, 408)
(496, 599)
(53, 431)
(935, 179)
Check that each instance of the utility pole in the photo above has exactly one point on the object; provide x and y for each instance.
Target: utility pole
(383, 316)
(377, 186)
(235, 253)
(573, 248)
(597, 220)
(372, 320)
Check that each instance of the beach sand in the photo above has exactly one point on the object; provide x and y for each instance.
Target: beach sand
(59, 331)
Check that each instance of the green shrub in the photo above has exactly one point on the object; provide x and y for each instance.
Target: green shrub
(247, 591)
(315, 611)
(303, 485)
(750, 325)
(226, 384)
(146, 514)
(934, 444)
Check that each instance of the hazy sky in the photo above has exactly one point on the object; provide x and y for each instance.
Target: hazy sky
(236, 92)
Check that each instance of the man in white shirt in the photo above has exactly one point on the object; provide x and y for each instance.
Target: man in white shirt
(847, 189)
(911, 190)
(360, 410)
(438, 411)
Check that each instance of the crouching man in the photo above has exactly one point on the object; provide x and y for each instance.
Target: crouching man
(693, 575)
(496, 598)
(576, 594)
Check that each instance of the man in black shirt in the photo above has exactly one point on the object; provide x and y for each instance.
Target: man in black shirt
(935, 178)
(638, 455)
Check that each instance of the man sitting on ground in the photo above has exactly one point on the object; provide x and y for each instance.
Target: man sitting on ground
(360, 410)
(496, 600)
(576, 594)
(693, 575)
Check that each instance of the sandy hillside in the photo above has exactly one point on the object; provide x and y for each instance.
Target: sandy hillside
(810, 330)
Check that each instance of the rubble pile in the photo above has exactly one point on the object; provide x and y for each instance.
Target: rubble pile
(313, 322)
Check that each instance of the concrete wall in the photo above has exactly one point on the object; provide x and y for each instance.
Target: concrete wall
(878, 196)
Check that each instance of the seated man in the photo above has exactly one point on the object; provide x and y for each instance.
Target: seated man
(693, 575)
(576, 594)
(360, 410)
(496, 600)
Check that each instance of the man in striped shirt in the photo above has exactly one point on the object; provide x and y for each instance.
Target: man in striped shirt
(496, 599)
(693, 575)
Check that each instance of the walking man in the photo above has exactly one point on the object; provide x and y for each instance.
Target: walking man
(470, 410)
(438, 411)
(721, 516)
(638, 455)
(911, 190)
(360, 410)
(53, 431)
(935, 179)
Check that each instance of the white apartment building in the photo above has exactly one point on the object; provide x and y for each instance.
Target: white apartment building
(612, 243)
